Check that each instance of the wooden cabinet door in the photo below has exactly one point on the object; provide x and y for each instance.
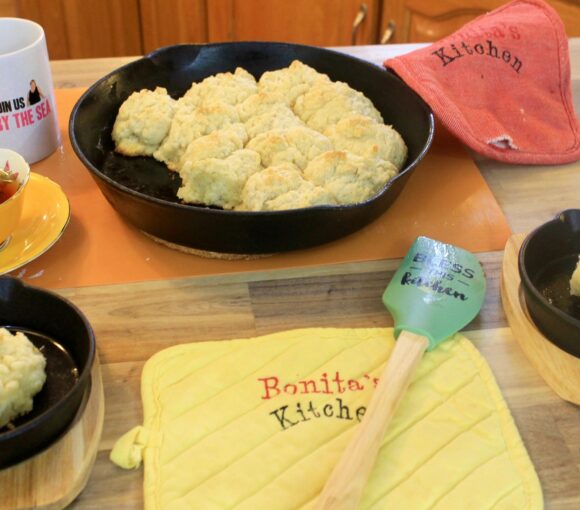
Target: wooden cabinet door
(86, 28)
(569, 11)
(428, 20)
(8, 8)
(316, 22)
(167, 22)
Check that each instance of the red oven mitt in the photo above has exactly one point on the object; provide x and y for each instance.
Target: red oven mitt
(501, 84)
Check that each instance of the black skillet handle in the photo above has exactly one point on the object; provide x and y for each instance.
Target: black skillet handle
(571, 219)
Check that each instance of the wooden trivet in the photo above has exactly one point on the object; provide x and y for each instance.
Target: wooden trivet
(204, 253)
(560, 370)
(52, 479)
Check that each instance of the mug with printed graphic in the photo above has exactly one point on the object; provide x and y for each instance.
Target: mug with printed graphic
(28, 121)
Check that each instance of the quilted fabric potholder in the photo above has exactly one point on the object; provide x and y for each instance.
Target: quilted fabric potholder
(259, 424)
(501, 84)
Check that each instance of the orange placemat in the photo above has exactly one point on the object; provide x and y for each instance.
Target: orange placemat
(446, 198)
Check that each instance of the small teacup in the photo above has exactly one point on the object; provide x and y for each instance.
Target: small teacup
(11, 208)
(28, 120)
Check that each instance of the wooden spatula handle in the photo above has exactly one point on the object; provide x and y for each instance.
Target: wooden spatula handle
(344, 488)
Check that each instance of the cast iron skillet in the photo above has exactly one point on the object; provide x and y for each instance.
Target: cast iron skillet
(143, 191)
(66, 339)
(546, 261)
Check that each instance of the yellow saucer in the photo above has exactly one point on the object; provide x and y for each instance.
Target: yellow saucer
(45, 215)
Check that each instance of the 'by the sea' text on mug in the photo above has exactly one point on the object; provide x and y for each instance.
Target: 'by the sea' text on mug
(28, 121)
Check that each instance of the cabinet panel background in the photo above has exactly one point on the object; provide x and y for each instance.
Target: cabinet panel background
(428, 20)
(318, 22)
(104, 28)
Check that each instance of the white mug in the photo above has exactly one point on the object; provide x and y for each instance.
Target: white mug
(28, 120)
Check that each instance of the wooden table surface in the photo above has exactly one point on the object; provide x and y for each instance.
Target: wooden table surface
(134, 321)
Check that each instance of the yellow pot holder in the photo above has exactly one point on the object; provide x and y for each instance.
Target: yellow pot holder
(259, 424)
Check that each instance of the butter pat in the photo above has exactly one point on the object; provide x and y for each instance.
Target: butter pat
(575, 280)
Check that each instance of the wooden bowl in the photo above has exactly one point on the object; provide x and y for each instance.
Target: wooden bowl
(546, 261)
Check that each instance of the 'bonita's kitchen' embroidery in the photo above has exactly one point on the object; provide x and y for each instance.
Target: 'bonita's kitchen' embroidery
(289, 416)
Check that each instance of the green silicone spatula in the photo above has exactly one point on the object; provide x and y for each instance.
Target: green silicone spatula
(437, 290)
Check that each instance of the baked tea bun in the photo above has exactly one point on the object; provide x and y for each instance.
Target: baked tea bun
(292, 139)
(143, 122)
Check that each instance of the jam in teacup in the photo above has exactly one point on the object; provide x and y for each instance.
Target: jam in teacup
(8, 183)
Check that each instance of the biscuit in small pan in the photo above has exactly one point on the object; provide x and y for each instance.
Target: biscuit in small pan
(575, 280)
(22, 375)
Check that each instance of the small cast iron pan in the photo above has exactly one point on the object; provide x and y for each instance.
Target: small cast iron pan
(67, 341)
(546, 261)
(142, 190)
